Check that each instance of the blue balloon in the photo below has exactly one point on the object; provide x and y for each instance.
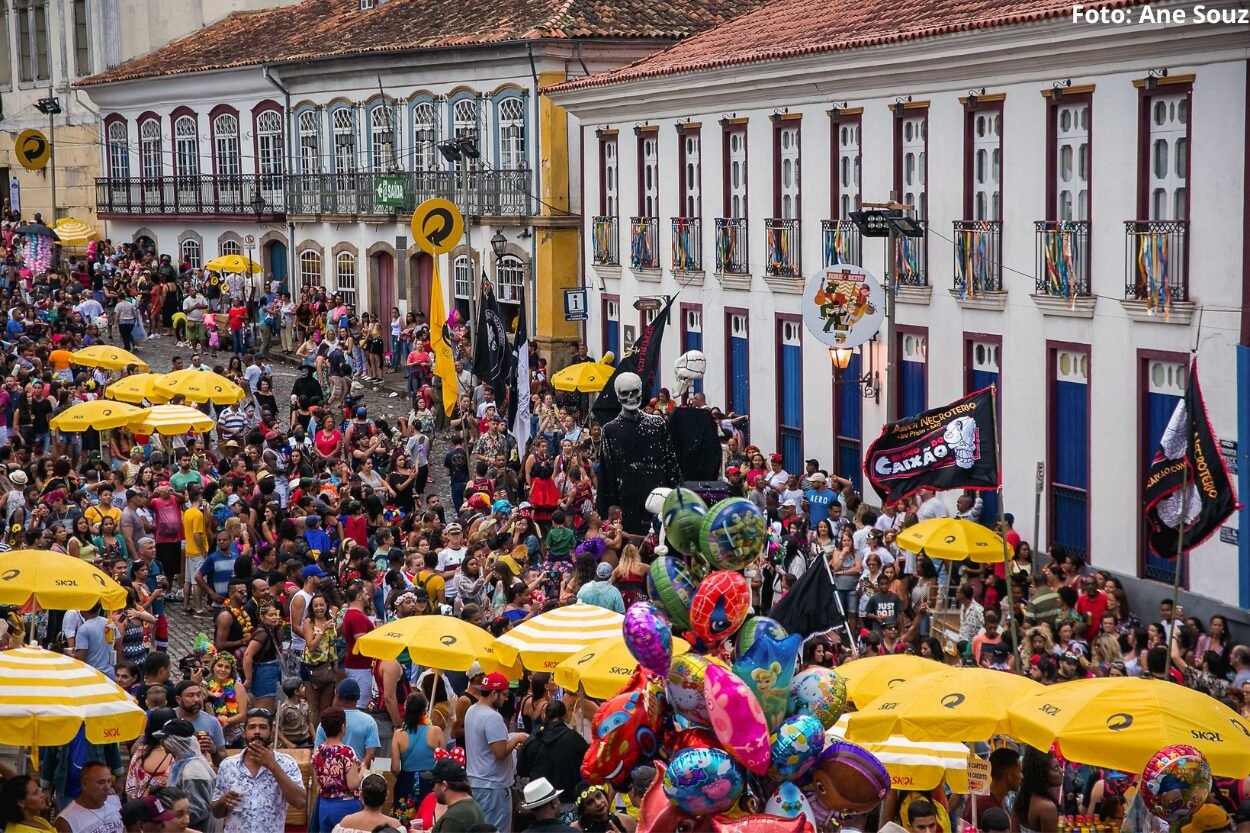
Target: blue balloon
(795, 747)
(768, 669)
(701, 781)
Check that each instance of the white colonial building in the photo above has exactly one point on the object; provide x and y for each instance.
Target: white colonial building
(1083, 192)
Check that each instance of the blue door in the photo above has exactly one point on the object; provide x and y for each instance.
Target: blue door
(1165, 386)
(277, 265)
(914, 354)
(1069, 428)
(739, 366)
(984, 371)
(692, 338)
(612, 329)
(790, 395)
(848, 459)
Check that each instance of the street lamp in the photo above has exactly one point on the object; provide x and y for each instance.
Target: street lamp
(499, 244)
(841, 358)
(51, 107)
(258, 205)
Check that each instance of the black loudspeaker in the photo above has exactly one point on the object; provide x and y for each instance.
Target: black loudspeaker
(709, 490)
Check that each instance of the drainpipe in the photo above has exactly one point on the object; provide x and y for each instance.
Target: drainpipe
(290, 226)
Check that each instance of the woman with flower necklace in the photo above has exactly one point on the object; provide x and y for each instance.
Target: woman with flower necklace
(225, 697)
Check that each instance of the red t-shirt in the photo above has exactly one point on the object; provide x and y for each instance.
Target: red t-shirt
(356, 527)
(1092, 609)
(355, 625)
(326, 443)
(168, 515)
(238, 317)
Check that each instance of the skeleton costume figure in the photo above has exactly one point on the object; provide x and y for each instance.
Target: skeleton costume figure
(637, 456)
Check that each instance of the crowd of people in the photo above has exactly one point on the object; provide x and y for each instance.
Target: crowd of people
(303, 521)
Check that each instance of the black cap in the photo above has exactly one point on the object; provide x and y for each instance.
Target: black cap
(446, 769)
(177, 728)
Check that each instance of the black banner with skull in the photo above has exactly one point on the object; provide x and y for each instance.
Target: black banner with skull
(491, 352)
(1187, 471)
(952, 447)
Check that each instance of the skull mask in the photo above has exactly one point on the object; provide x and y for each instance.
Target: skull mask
(629, 391)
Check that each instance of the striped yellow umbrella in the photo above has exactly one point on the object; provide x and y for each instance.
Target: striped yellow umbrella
(915, 765)
(137, 388)
(199, 386)
(545, 641)
(108, 357)
(444, 643)
(56, 581)
(604, 667)
(74, 232)
(34, 712)
(171, 419)
(233, 263)
(870, 677)
(953, 539)
(100, 414)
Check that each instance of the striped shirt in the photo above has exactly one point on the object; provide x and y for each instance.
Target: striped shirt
(231, 423)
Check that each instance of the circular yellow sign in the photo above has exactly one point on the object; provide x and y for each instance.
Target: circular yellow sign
(437, 226)
(33, 150)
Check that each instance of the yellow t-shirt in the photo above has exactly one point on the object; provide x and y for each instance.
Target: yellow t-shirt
(97, 514)
(432, 583)
(193, 525)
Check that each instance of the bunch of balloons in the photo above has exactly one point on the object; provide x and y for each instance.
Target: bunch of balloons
(739, 736)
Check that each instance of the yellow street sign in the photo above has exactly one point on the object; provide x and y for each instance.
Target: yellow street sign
(33, 150)
(437, 226)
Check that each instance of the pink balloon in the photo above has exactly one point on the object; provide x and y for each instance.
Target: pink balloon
(737, 719)
(649, 637)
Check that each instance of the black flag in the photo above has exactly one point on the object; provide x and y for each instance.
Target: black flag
(1189, 456)
(607, 407)
(952, 447)
(809, 606)
(490, 350)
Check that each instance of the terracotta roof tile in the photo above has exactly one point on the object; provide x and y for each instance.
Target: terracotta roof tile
(786, 28)
(316, 29)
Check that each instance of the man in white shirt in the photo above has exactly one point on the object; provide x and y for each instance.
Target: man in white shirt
(451, 557)
(90, 309)
(96, 809)
(931, 506)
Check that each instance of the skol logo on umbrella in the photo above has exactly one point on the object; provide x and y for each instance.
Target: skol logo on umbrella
(952, 701)
(1119, 721)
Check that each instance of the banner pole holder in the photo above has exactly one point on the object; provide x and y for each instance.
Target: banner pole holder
(1180, 538)
(1002, 524)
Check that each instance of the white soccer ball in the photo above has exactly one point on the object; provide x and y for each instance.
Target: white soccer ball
(691, 365)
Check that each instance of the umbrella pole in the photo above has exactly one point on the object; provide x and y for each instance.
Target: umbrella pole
(1002, 524)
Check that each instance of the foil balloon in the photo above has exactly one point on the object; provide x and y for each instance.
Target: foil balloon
(734, 533)
(626, 733)
(700, 781)
(761, 823)
(795, 747)
(656, 814)
(819, 692)
(1175, 782)
(768, 669)
(720, 606)
(789, 802)
(686, 677)
(649, 637)
(693, 737)
(849, 779)
(737, 719)
(683, 515)
(755, 627)
(670, 584)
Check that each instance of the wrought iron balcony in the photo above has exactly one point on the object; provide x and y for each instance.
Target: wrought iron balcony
(783, 240)
(731, 245)
(1062, 257)
(1156, 260)
(606, 242)
(840, 241)
(911, 258)
(644, 236)
(216, 195)
(687, 244)
(978, 256)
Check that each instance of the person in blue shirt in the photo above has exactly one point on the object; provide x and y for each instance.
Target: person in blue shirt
(316, 537)
(216, 571)
(818, 499)
(361, 732)
(13, 328)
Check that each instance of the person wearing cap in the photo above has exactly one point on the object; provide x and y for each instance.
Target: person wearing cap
(817, 498)
(450, 557)
(554, 752)
(1209, 818)
(451, 789)
(776, 478)
(601, 592)
(361, 730)
(189, 771)
(488, 751)
(542, 801)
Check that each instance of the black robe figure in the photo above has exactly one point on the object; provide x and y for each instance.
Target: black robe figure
(637, 456)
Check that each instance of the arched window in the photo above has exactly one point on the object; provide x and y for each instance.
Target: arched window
(464, 123)
(344, 124)
(269, 143)
(345, 276)
(186, 147)
(424, 136)
(226, 145)
(511, 279)
(231, 247)
(309, 143)
(462, 277)
(191, 252)
(119, 151)
(309, 268)
(150, 149)
(512, 134)
(381, 138)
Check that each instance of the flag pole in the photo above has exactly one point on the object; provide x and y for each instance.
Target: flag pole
(846, 623)
(1002, 524)
(1180, 537)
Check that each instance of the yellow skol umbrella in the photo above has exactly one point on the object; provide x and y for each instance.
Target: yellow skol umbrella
(604, 667)
(233, 263)
(1121, 722)
(136, 388)
(953, 539)
(199, 386)
(99, 414)
(56, 581)
(171, 419)
(584, 377)
(545, 641)
(964, 704)
(36, 712)
(444, 643)
(868, 678)
(915, 765)
(74, 232)
(107, 357)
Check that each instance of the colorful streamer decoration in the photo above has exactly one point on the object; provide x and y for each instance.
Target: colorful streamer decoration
(907, 262)
(685, 246)
(974, 258)
(837, 245)
(780, 261)
(1062, 252)
(642, 244)
(604, 237)
(1153, 275)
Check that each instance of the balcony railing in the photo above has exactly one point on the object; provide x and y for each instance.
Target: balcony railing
(476, 193)
(783, 245)
(1062, 257)
(687, 244)
(978, 257)
(1156, 257)
(841, 242)
(731, 245)
(606, 242)
(644, 235)
(911, 255)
